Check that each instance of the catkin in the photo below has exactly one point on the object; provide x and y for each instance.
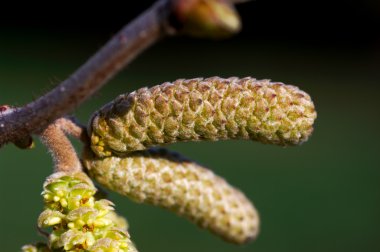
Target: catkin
(203, 109)
(79, 221)
(165, 179)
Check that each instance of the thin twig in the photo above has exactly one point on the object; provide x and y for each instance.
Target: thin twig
(118, 52)
(73, 128)
(61, 149)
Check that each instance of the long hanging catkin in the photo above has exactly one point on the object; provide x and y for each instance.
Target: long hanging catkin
(165, 179)
(203, 109)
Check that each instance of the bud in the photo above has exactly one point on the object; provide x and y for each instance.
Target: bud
(167, 180)
(207, 18)
(25, 142)
(203, 109)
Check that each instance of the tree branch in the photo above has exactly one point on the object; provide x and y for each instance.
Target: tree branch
(63, 99)
(212, 18)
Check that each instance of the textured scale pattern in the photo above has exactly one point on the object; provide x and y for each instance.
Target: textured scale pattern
(167, 180)
(79, 221)
(203, 109)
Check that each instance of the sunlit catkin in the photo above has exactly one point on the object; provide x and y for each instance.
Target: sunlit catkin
(165, 179)
(77, 220)
(203, 109)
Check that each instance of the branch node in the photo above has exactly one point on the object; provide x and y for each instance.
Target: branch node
(22, 141)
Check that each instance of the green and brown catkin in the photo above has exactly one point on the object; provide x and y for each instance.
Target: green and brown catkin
(165, 179)
(203, 109)
(79, 221)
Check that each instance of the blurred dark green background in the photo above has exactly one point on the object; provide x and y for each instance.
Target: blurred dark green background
(321, 196)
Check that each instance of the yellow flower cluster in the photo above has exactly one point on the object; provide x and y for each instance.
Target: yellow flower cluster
(79, 221)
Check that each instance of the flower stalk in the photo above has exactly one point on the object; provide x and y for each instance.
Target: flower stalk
(62, 151)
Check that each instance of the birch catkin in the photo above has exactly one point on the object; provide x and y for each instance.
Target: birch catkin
(203, 109)
(165, 179)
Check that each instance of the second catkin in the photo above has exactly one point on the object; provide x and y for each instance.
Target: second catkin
(168, 180)
(203, 109)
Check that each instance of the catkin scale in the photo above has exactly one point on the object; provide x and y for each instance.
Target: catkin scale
(203, 109)
(167, 180)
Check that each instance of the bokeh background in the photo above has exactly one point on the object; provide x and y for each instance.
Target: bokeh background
(321, 196)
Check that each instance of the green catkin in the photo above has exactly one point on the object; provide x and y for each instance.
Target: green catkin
(167, 180)
(203, 109)
(79, 221)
